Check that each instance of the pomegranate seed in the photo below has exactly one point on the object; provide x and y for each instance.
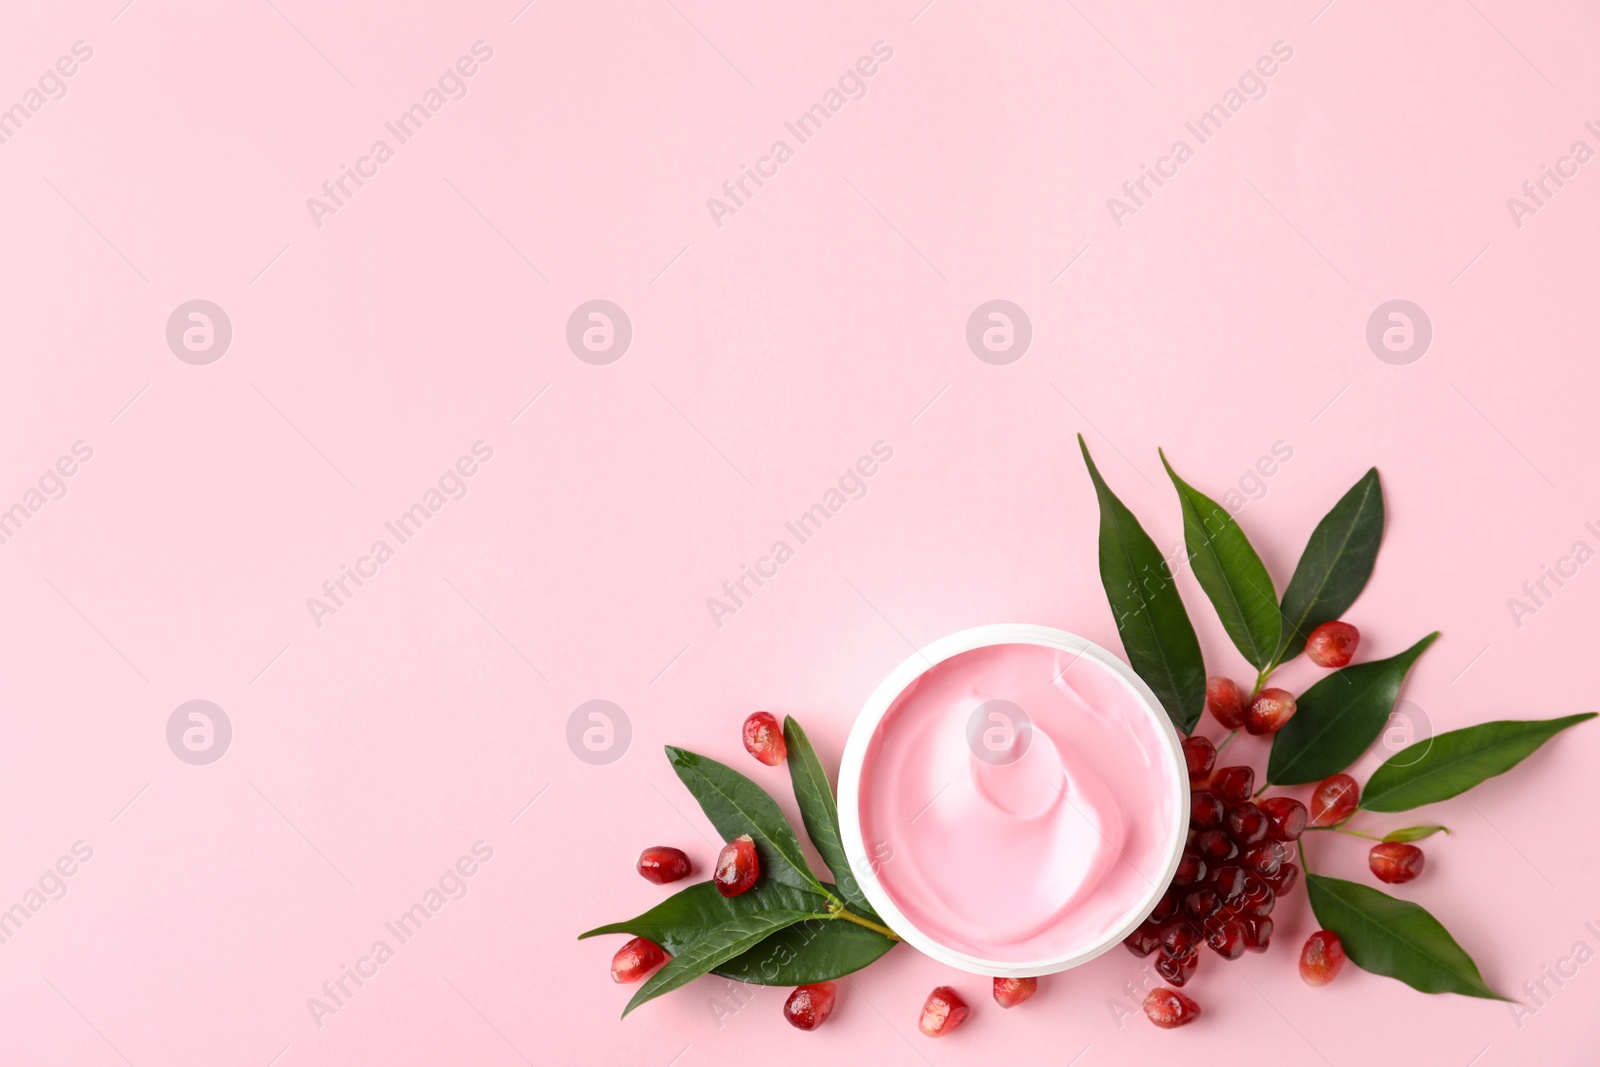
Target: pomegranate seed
(1334, 800)
(1205, 810)
(1234, 784)
(942, 1012)
(809, 1006)
(1270, 710)
(1395, 862)
(1177, 971)
(1168, 1008)
(1009, 992)
(1226, 939)
(1257, 933)
(636, 959)
(737, 866)
(763, 738)
(1200, 754)
(1322, 959)
(1216, 845)
(1191, 869)
(1229, 882)
(1246, 823)
(1284, 880)
(1179, 938)
(1145, 939)
(1166, 907)
(1333, 644)
(1202, 903)
(1286, 817)
(1225, 701)
(1258, 898)
(1266, 857)
(662, 864)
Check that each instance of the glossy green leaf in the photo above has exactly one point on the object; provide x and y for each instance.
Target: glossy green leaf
(1414, 833)
(1394, 938)
(1335, 565)
(814, 950)
(1338, 718)
(736, 805)
(1156, 632)
(1231, 574)
(1439, 768)
(820, 813)
(718, 945)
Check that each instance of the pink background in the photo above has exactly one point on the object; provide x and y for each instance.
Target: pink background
(1227, 314)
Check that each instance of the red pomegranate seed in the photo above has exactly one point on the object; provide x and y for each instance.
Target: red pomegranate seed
(1322, 959)
(1205, 810)
(1284, 880)
(1333, 644)
(662, 864)
(1234, 784)
(1286, 817)
(1395, 862)
(1179, 938)
(809, 1006)
(737, 866)
(763, 738)
(1269, 711)
(1225, 701)
(1009, 992)
(1200, 754)
(1166, 907)
(1177, 971)
(1168, 1008)
(1229, 882)
(1191, 869)
(636, 959)
(1258, 897)
(1145, 939)
(1246, 823)
(942, 1012)
(1202, 903)
(1257, 933)
(1226, 939)
(1334, 800)
(1266, 857)
(1216, 845)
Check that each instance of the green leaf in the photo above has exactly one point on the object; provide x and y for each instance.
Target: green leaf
(820, 813)
(1448, 765)
(1335, 566)
(1156, 633)
(1394, 938)
(810, 951)
(720, 944)
(736, 805)
(1414, 833)
(1338, 718)
(1231, 574)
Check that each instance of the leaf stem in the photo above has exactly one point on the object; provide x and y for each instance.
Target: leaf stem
(1226, 740)
(1340, 829)
(1261, 679)
(842, 912)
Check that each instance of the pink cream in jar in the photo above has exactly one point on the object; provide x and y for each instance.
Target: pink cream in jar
(1022, 795)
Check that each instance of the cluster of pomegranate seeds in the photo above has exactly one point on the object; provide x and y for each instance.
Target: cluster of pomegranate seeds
(662, 864)
(636, 959)
(1228, 879)
(763, 738)
(1395, 862)
(1270, 709)
(1009, 992)
(809, 1006)
(1168, 1008)
(1333, 644)
(1334, 800)
(942, 1012)
(1322, 958)
(737, 866)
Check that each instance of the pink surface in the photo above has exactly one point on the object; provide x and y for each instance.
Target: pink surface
(1028, 804)
(377, 740)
